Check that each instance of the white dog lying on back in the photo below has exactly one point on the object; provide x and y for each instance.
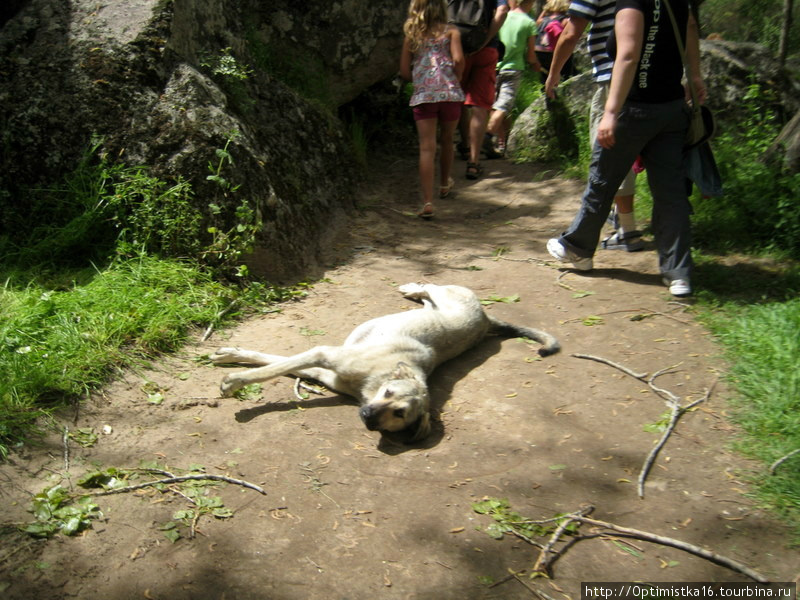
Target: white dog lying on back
(385, 362)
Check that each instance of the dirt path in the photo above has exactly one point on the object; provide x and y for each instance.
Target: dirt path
(350, 516)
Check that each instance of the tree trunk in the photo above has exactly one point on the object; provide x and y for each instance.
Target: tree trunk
(783, 48)
(787, 146)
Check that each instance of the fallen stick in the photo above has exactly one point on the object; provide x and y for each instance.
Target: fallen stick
(677, 413)
(672, 542)
(673, 402)
(300, 384)
(626, 370)
(65, 441)
(179, 479)
(218, 316)
(782, 460)
(542, 564)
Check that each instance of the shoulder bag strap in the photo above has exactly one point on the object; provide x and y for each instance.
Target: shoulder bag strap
(682, 50)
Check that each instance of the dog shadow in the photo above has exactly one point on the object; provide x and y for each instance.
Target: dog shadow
(248, 414)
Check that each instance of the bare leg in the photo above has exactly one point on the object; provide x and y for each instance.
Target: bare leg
(446, 152)
(497, 123)
(426, 129)
(478, 123)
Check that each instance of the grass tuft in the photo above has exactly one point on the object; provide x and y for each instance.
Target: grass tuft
(59, 345)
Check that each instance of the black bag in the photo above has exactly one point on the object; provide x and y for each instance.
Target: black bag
(472, 17)
(701, 126)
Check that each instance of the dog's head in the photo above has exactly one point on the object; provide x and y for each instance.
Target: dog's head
(401, 404)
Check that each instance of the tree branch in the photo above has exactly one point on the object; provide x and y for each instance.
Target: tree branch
(169, 480)
(680, 545)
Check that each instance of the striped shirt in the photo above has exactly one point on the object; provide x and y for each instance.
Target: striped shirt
(600, 13)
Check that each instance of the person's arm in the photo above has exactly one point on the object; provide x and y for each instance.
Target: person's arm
(629, 31)
(456, 51)
(567, 42)
(530, 55)
(693, 59)
(405, 60)
(500, 14)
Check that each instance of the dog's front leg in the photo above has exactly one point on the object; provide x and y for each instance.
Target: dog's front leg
(324, 357)
(231, 356)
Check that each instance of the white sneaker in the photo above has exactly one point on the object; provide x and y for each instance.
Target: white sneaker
(561, 254)
(679, 288)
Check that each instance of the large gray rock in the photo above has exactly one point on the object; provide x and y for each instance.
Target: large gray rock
(548, 130)
(157, 81)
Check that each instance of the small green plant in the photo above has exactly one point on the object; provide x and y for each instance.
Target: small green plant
(55, 512)
(659, 426)
(232, 76)
(58, 511)
(250, 392)
(228, 245)
(507, 520)
(494, 298)
(185, 520)
(225, 65)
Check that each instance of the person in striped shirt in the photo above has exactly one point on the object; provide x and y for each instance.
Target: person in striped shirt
(600, 15)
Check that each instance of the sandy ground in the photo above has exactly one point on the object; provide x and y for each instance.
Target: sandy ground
(349, 515)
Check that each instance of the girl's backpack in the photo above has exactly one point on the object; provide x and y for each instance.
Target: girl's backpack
(549, 32)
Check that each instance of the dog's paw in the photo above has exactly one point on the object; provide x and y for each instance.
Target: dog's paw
(229, 386)
(412, 290)
(225, 356)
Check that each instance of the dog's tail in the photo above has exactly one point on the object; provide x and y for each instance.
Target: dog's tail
(549, 344)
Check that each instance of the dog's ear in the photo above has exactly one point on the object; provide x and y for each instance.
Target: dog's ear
(421, 428)
(402, 371)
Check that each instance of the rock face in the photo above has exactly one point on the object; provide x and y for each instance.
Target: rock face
(546, 130)
(164, 83)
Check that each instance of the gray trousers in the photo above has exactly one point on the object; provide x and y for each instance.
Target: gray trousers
(657, 133)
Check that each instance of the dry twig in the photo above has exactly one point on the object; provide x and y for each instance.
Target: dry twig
(680, 545)
(65, 441)
(179, 479)
(626, 370)
(218, 316)
(677, 412)
(673, 402)
(781, 460)
(300, 384)
(546, 555)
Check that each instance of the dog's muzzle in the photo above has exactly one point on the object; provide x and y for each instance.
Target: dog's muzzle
(370, 417)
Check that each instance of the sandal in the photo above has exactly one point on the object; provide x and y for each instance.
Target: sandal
(426, 212)
(444, 190)
(474, 170)
(630, 241)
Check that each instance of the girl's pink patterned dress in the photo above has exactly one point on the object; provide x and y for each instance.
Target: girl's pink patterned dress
(433, 73)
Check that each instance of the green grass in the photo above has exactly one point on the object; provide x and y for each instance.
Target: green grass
(58, 345)
(762, 344)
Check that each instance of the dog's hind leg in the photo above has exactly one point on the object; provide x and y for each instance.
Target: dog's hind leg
(437, 294)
